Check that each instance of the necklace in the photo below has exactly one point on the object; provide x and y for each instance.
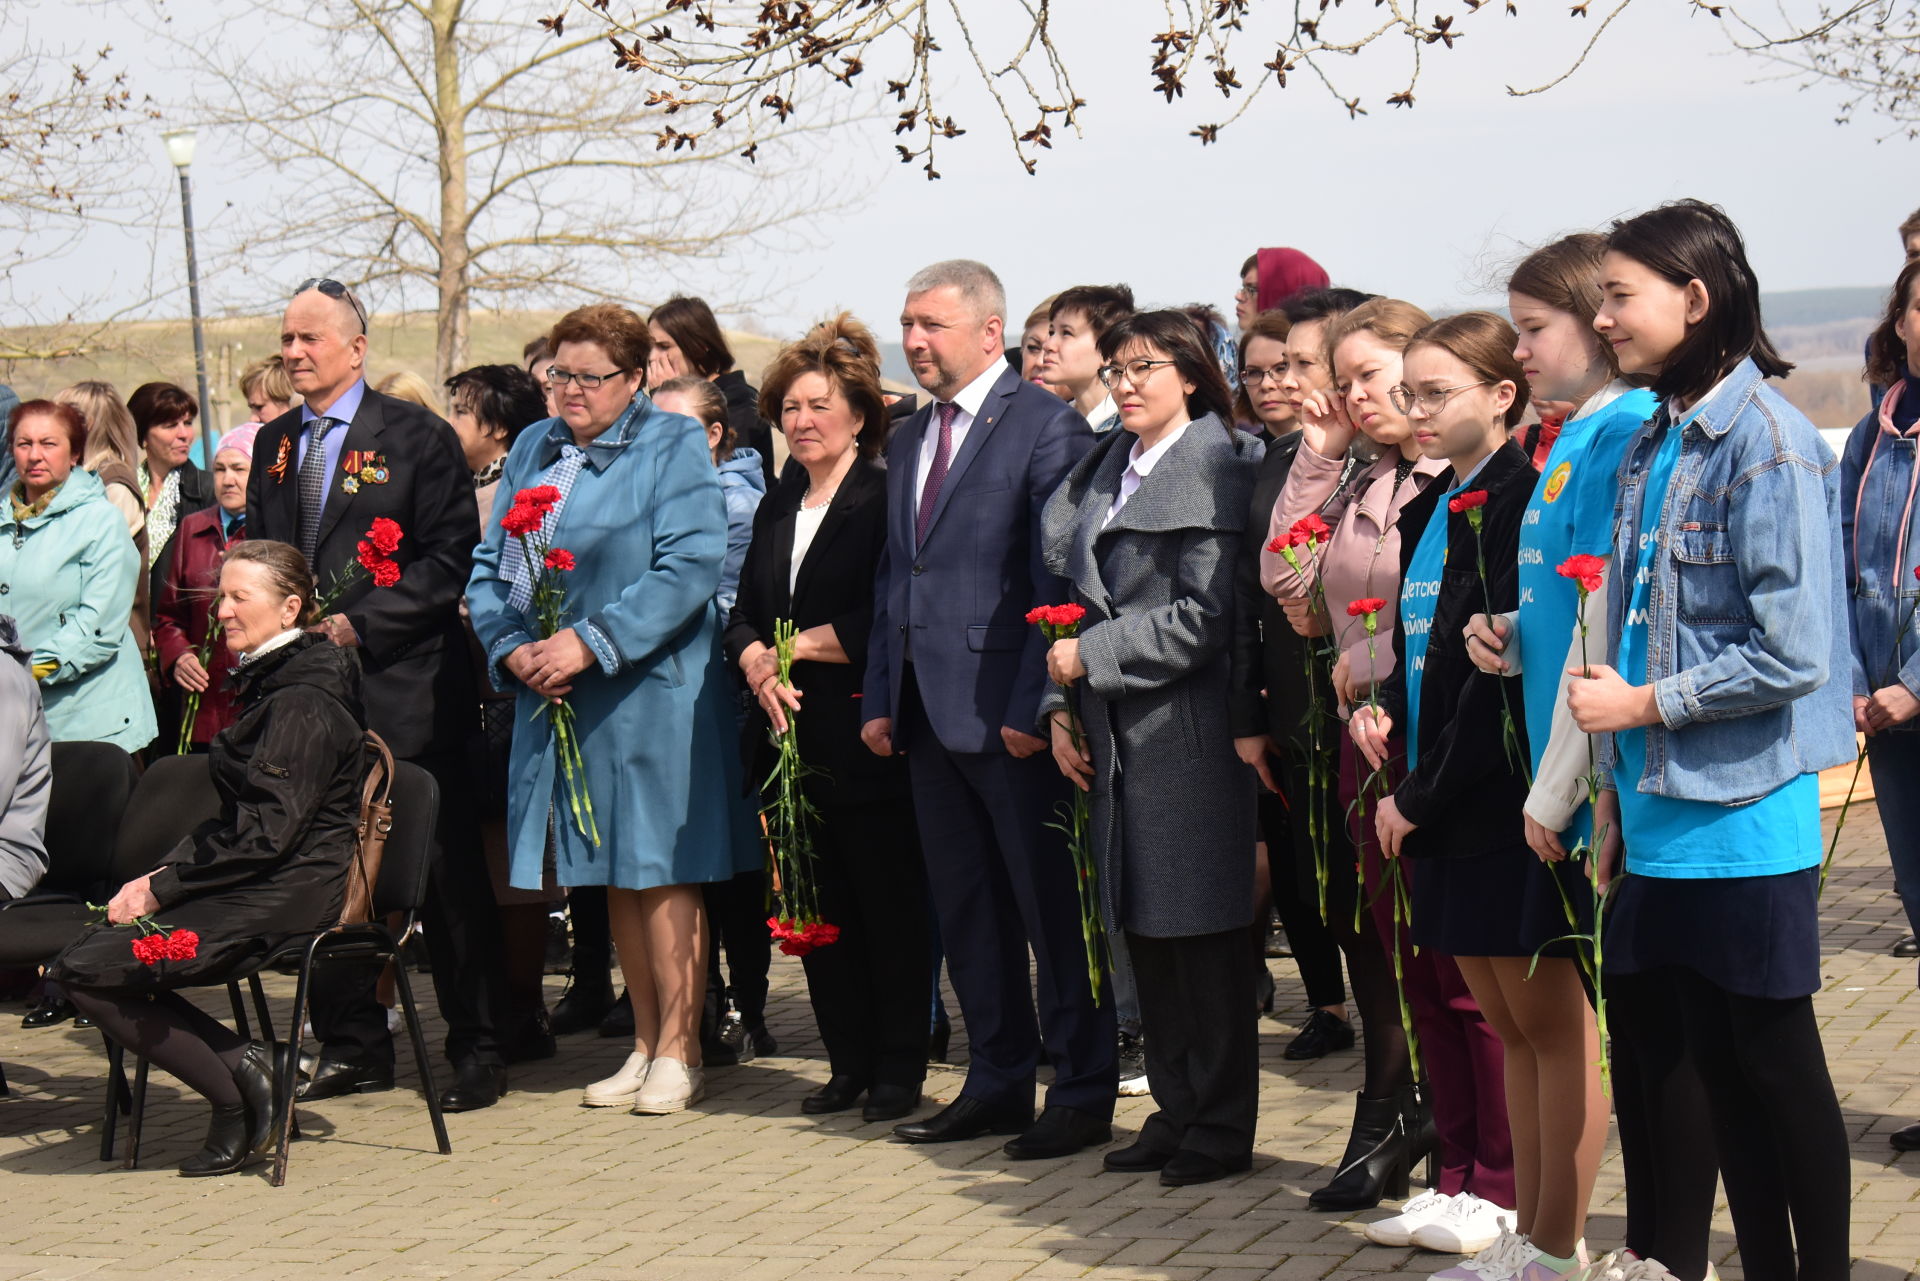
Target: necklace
(806, 499)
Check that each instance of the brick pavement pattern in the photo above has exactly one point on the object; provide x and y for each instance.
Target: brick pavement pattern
(744, 1188)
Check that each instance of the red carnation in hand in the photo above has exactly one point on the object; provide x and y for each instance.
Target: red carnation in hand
(385, 574)
(542, 498)
(1310, 528)
(182, 945)
(1277, 545)
(385, 534)
(1586, 571)
(559, 558)
(1468, 501)
(521, 520)
(1067, 615)
(1367, 605)
(369, 556)
(150, 949)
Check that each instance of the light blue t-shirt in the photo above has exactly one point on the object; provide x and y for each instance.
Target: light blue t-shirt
(1698, 840)
(1570, 514)
(1419, 598)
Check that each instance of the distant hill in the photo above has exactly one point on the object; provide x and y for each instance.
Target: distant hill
(1823, 306)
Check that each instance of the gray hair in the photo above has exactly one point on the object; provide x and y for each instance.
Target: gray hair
(975, 281)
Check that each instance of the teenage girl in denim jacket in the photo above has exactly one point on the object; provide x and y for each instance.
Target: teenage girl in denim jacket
(1724, 695)
(1878, 486)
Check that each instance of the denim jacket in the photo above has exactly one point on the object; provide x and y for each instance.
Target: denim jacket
(1746, 611)
(1878, 479)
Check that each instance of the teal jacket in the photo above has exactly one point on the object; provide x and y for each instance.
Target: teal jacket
(67, 576)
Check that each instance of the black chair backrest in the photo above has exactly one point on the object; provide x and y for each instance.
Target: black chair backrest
(175, 795)
(88, 794)
(409, 853)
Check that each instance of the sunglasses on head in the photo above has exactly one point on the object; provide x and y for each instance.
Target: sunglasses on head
(335, 290)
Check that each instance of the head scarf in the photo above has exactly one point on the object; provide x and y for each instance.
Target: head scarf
(1285, 273)
(240, 440)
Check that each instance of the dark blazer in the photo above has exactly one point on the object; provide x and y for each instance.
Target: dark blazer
(1464, 791)
(1268, 695)
(196, 494)
(963, 595)
(835, 587)
(419, 678)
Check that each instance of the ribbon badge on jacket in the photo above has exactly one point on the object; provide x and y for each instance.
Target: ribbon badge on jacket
(363, 467)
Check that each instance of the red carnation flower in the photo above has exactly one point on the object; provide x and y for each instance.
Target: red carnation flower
(385, 574)
(1277, 545)
(1067, 615)
(385, 534)
(1916, 571)
(1038, 614)
(1311, 527)
(1583, 569)
(1468, 501)
(542, 498)
(182, 945)
(150, 949)
(559, 558)
(521, 520)
(1367, 605)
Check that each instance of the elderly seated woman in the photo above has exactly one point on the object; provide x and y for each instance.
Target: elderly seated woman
(288, 771)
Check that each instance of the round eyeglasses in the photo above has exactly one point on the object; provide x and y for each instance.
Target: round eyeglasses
(1134, 371)
(1431, 402)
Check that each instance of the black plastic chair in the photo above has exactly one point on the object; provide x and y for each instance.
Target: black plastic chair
(90, 787)
(401, 888)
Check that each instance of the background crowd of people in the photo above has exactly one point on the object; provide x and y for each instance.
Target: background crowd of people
(1464, 645)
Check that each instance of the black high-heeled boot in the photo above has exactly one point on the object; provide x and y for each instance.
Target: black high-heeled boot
(226, 1149)
(1378, 1160)
(254, 1079)
(1417, 1115)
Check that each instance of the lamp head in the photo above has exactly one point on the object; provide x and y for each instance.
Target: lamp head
(179, 147)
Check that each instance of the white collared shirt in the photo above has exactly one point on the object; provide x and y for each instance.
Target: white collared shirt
(267, 646)
(969, 399)
(1140, 463)
(1105, 416)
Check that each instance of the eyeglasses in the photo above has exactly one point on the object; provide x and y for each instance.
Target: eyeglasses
(1246, 290)
(1253, 377)
(1134, 371)
(337, 291)
(560, 377)
(1404, 398)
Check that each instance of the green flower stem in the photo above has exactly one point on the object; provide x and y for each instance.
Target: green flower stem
(789, 815)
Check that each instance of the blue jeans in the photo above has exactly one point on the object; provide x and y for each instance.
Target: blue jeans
(1894, 758)
(1126, 994)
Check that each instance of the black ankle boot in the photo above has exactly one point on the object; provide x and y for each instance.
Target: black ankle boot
(226, 1149)
(1417, 1115)
(255, 1080)
(1377, 1160)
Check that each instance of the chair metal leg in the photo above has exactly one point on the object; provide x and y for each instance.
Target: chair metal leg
(4, 1091)
(260, 1008)
(117, 1096)
(137, 1114)
(239, 1009)
(405, 987)
(286, 1080)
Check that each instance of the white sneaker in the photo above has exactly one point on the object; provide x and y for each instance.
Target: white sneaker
(1398, 1230)
(1624, 1265)
(671, 1087)
(1468, 1226)
(620, 1089)
(1504, 1260)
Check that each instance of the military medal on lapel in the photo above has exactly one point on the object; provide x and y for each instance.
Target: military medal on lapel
(280, 460)
(363, 467)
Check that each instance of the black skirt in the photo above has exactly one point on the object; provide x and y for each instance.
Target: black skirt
(1753, 936)
(1501, 903)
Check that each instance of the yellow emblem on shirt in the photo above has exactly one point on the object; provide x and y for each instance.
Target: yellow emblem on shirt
(1557, 482)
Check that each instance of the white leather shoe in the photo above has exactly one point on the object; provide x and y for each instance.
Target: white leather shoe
(1398, 1230)
(620, 1089)
(671, 1087)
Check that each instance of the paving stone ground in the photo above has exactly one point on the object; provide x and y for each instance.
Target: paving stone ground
(747, 1189)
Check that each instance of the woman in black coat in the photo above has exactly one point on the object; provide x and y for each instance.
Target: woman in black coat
(817, 539)
(274, 864)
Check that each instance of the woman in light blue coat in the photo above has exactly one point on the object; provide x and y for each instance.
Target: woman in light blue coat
(640, 665)
(67, 575)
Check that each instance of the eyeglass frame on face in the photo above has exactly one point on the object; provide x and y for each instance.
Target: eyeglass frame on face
(588, 382)
(1246, 290)
(1110, 375)
(336, 291)
(1405, 398)
(1254, 376)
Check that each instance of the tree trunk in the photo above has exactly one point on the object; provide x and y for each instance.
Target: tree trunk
(451, 332)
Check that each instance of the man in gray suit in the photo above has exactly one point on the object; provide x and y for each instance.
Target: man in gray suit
(955, 679)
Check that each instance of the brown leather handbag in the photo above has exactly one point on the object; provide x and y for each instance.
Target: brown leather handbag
(370, 837)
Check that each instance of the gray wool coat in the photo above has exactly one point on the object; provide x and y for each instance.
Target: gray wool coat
(1173, 807)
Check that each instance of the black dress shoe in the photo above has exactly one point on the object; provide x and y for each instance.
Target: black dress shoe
(1137, 1158)
(839, 1094)
(226, 1148)
(938, 1037)
(1320, 1035)
(762, 1040)
(332, 1078)
(618, 1024)
(1908, 947)
(51, 1012)
(532, 1041)
(1060, 1131)
(966, 1118)
(475, 1086)
(1186, 1168)
(1907, 1139)
(581, 1007)
(890, 1103)
(254, 1079)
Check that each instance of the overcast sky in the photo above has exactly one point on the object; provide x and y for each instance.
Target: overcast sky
(1426, 203)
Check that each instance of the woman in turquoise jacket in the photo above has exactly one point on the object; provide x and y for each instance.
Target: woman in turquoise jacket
(67, 575)
(640, 665)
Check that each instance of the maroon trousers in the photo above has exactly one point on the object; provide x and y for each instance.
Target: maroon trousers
(1461, 1060)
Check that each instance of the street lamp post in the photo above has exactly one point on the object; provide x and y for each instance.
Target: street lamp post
(180, 152)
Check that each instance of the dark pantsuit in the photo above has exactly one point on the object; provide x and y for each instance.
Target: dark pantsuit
(1203, 1054)
(1002, 880)
(737, 922)
(463, 938)
(869, 989)
(1314, 949)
